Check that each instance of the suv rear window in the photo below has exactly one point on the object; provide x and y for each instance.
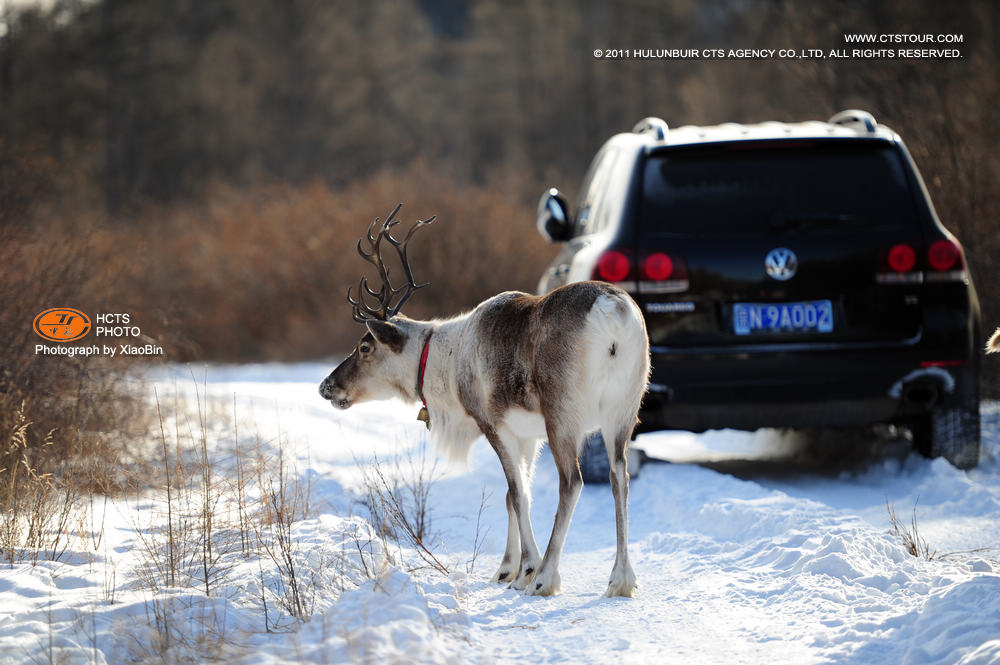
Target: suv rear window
(776, 187)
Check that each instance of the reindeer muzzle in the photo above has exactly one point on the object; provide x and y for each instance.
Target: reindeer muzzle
(337, 396)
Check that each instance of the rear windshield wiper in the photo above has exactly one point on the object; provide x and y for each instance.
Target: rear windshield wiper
(783, 221)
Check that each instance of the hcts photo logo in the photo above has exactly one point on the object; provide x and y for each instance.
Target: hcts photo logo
(62, 324)
(66, 324)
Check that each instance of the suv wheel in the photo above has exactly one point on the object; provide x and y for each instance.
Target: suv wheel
(951, 430)
(594, 464)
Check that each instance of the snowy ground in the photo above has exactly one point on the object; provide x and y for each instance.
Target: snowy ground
(749, 548)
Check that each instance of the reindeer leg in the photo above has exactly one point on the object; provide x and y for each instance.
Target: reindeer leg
(622, 582)
(519, 511)
(564, 452)
(510, 565)
(511, 562)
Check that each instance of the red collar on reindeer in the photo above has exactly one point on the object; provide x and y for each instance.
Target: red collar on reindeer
(424, 415)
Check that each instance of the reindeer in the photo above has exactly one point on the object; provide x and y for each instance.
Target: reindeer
(517, 369)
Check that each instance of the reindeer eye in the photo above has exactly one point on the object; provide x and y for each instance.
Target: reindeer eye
(365, 348)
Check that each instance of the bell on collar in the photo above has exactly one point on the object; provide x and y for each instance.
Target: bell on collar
(424, 416)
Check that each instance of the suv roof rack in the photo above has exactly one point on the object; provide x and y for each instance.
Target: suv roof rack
(855, 117)
(655, 127)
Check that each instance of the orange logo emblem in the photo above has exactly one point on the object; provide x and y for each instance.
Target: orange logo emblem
(62, 324)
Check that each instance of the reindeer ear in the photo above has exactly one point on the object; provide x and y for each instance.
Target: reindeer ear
(388, 334)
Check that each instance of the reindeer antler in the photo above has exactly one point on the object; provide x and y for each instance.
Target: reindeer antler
(386, 309)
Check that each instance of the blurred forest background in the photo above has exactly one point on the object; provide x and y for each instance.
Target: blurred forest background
(207, 166)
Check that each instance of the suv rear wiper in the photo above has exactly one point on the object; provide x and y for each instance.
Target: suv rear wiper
(792, 221)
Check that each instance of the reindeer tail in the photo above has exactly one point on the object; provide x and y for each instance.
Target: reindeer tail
(993, 346)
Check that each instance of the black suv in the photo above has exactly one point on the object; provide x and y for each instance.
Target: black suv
(791, 275)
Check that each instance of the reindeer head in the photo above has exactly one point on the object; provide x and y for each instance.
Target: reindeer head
(382, 364)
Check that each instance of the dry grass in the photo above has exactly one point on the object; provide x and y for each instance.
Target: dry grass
(398, 502)
(909, 536)
(227, 518)
(228, 508)
(397, 496)
(37, 508)
(915, 544)
(64, 421)
(76, 404)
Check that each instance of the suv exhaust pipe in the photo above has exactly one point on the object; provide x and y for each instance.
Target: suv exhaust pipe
(921, 395)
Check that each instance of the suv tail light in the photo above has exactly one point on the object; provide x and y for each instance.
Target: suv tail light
(615, 266)
(655, 272)
(657, 267)
(902, 258)
(663, 273)
(896, 266)
(945, 262)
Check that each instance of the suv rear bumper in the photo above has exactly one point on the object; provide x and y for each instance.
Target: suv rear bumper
(752, 416)
(821, 387)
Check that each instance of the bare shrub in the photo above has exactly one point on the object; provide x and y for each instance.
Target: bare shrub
(81, 410)
(479, 539)
(183, 545)
(216, 510)
(280, 261)
(910, 537)
(284, 501)
(251, 274)
(398, 501)
(171, 637)
(917, 546)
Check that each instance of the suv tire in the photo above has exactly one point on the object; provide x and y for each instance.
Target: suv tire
(951, 430)
(594, 465)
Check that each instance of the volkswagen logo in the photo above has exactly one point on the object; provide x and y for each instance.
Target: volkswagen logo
(781, 264)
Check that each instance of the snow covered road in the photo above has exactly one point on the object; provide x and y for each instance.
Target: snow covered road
(749, 548)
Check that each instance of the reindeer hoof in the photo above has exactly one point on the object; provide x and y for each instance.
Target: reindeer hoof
(620, 592)
(525, 579)
(545, 584)
(621, 588)
(622, 582)
(502, 575)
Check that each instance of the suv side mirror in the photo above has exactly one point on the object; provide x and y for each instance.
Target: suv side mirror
(553, 216)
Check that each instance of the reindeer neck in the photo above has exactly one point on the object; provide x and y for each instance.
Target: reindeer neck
(441, 339)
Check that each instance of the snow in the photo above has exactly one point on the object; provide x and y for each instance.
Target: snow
(748, 548)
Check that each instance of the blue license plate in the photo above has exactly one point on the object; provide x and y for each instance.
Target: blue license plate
(815, 316)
